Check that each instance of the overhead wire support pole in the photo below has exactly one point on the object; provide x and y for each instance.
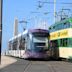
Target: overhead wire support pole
(54, 7)
(23, 21)
(53, 2)
(1, 3)
(54, 10)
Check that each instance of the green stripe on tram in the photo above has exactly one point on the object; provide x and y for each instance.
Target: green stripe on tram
(64, 42)
(70, 20)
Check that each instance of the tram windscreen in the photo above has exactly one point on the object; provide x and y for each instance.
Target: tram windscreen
(40, 41)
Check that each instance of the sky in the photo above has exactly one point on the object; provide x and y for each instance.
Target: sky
(28, 10)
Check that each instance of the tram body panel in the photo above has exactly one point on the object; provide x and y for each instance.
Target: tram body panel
(31, 44)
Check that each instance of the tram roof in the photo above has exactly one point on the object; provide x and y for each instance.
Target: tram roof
(62, 21)
(38, 30)
(17, 36)
(26, 31)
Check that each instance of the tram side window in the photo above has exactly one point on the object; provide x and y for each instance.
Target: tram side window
(50, 29)
(14, 45)
(61, 44)
(66, 25)
(62, 26)
(70, 42)
(53, 28)
(9, 45)
(71, 25)
(22, 44)
(58, 27)
(64, 42)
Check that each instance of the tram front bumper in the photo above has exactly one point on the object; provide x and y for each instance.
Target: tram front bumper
(39, 55)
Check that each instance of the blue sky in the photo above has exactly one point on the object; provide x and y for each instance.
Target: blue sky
(22, 9)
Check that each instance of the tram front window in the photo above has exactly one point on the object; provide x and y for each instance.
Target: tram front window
(39, 47)
(40, 44)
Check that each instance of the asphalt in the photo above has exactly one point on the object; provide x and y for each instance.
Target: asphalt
(18, 66)
(22, 65)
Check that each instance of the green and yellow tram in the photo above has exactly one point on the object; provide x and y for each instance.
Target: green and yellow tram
(61, 39)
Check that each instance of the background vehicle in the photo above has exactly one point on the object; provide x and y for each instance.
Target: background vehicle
(30, 44)
(61, 39)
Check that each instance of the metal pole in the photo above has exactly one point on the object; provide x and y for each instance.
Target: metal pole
(54, 10)
(1, 1)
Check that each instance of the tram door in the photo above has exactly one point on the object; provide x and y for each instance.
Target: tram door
(54, 49)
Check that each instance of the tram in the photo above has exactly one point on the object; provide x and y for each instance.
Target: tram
(29, 44)
(61, 38)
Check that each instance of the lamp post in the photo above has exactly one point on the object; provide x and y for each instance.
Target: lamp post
(1, 1)
(54, 10)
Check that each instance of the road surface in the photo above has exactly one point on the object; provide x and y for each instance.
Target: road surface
(21, 65)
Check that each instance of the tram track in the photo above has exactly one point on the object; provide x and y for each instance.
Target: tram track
(52, 69)
(22, 65)
(40, 65)
(44, 66)
(27, 66)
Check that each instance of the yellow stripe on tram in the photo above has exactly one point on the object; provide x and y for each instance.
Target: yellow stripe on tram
(65, 33)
